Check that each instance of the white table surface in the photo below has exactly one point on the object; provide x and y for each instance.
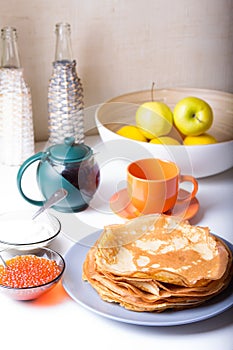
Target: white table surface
(55, 321)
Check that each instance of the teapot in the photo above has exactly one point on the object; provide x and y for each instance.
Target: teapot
(70, 166)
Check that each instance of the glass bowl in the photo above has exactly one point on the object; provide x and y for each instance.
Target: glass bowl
(33, 291)
(19, 230)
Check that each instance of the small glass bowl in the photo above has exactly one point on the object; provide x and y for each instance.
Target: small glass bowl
(17, 229)
(29, 293)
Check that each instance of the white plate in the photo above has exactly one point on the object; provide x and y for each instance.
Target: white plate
(83, 293)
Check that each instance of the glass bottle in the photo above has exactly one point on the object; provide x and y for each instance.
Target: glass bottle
(65, 92)
(16, 123)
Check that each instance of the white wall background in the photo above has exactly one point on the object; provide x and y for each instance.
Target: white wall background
(123, 45)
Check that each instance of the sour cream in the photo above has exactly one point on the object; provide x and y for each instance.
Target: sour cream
(24, 231)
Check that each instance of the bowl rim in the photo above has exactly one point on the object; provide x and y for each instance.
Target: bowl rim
(46, 240)
(168, 89)
(56, 279)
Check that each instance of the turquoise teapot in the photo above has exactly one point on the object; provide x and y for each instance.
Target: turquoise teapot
(70, 166)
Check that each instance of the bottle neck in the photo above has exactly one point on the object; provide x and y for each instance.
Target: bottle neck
(10, 54)
(63, 51)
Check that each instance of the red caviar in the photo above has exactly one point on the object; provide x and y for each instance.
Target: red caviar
(28, 271)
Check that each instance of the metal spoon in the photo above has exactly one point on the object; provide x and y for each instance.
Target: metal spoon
(54, 199)
(3, 261)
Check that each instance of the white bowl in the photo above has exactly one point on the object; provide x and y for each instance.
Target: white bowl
(17, 229)
(198, 160)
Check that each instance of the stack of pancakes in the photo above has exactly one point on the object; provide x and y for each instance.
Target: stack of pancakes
(157, 262)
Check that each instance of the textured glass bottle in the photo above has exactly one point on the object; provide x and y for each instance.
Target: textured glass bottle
(65, 92)
(16, 123)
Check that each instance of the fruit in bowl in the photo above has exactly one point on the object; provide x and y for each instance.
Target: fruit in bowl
(154, 119)
(197, 159)
(193, 116)
(203, 139)
(165, 140)
(132, 132)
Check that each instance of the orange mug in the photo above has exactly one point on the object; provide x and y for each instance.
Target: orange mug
(153, 185)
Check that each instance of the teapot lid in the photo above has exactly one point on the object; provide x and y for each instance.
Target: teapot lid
(69, 151)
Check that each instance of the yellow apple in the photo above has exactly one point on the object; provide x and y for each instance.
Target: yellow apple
(165, 140)
(204, 139)
(154, 119)
(192, 116)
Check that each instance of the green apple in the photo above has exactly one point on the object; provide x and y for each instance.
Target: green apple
(192, 116)
(154, 119)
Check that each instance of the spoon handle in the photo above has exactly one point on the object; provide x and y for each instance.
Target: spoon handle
(3, 261)
(55, 198)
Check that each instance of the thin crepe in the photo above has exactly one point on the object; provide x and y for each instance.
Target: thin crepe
(157, 262)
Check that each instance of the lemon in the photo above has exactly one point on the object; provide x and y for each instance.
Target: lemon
(203, 139)
(165, 140)
(131, 132)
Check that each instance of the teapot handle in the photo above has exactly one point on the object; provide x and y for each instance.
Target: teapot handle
(21, 171)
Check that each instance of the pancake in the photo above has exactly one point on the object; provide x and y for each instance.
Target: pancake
(163, 248)
(157, 262)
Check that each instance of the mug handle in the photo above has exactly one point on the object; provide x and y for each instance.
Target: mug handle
(21, 171)
(189, 178)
